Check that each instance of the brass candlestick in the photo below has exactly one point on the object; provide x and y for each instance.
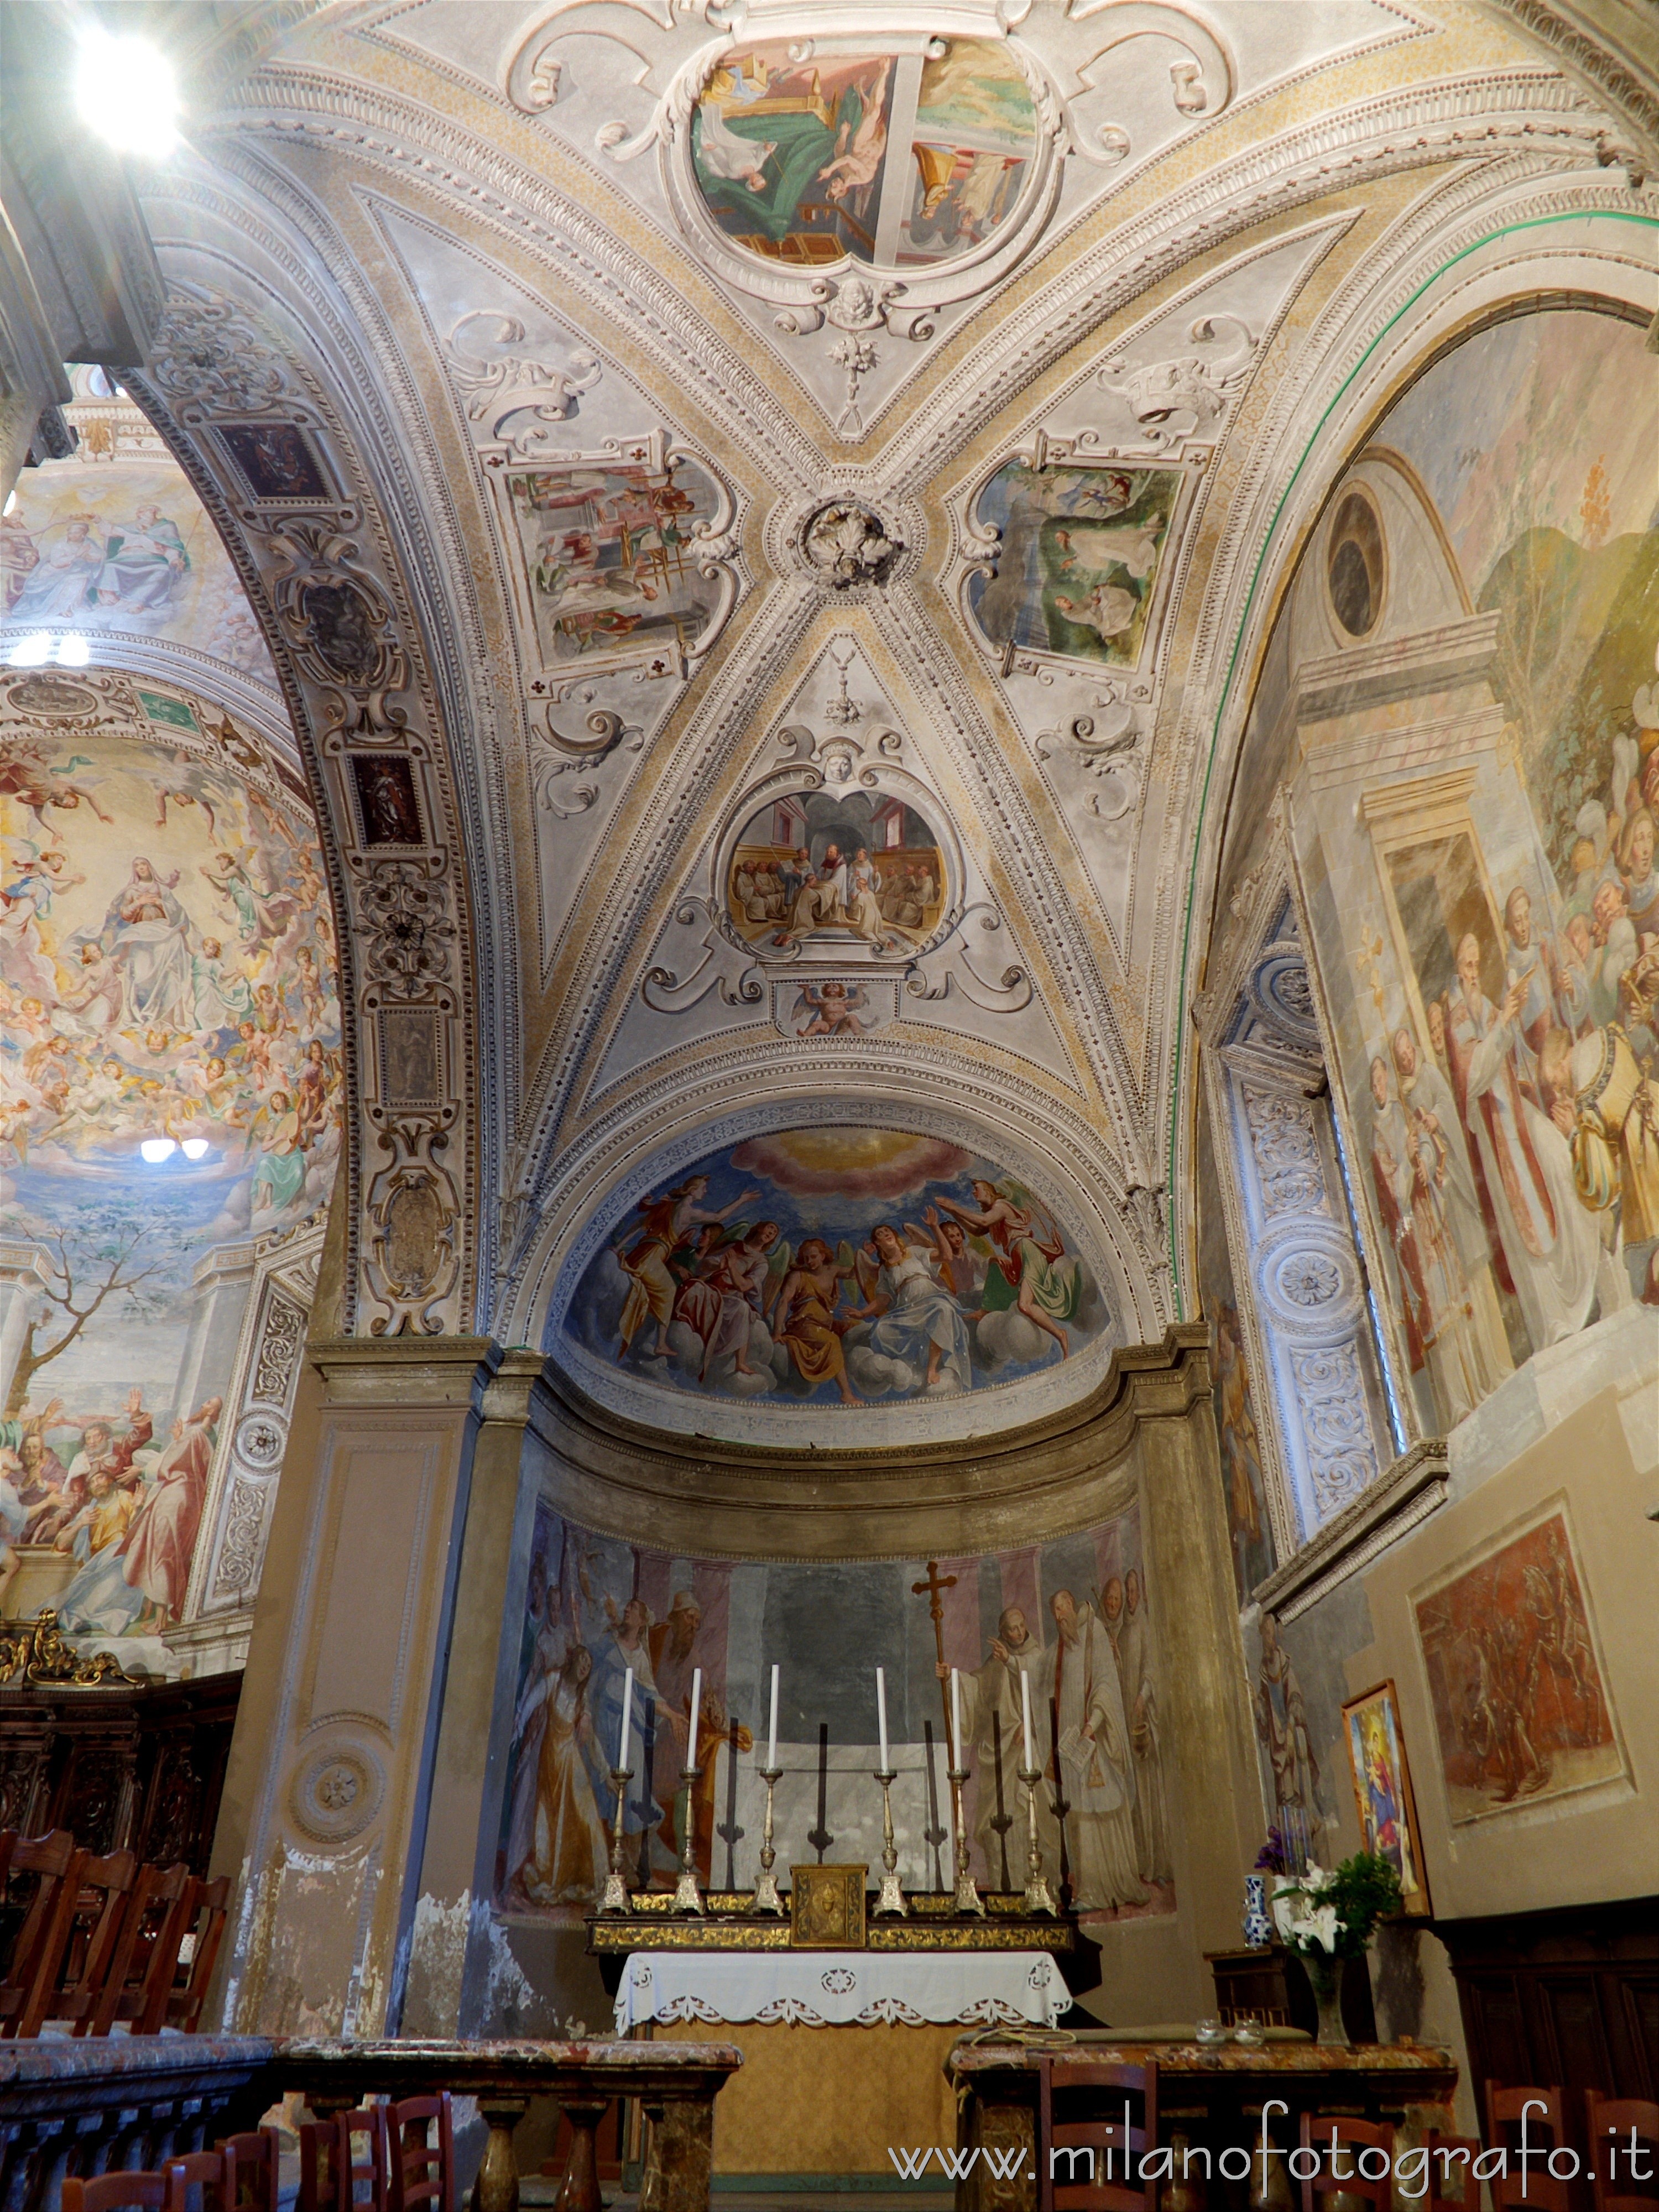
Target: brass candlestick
(766, 1898)
(892, 1897)
(1037, 1899)
(688, 1898)
(614, 1897)
(967, 1898)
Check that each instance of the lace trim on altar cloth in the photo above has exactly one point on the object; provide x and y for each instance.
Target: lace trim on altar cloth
(795, 2012)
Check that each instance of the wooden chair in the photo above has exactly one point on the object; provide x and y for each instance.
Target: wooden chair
(1613, 2121)
(112, 2192)
(1461, 2153)
(95, 1922)
(203, 1933)
(146, 1957)
(422, 2171)
(202, 2181)
(256, 2160)
(369, 2173)
(1330, 2137)
(320, 2167)
(1538, 2112)
(25, 1995)
(1116, 2143)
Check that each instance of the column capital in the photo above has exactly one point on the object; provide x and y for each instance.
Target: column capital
(404, 1371)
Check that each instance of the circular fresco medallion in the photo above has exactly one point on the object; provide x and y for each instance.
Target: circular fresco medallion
(900, 161)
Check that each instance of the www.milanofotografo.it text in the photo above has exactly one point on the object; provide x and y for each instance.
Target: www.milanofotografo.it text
(1410, 2169)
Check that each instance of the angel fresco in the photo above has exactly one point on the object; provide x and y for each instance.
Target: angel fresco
(845, 1283)
(830, 1009)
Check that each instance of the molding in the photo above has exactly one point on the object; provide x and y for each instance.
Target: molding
(1412, 1489)
(1048, 1477)
(395, 1372)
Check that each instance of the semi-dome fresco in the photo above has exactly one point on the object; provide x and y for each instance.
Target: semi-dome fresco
(891, 158)
(169, 1099)
(843, 870)
(837, 1265)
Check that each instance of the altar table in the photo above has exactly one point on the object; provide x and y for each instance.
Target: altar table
(1209, 2094)
(843, 2050)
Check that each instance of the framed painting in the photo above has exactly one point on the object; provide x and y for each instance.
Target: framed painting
(1383, 1792)
(826, 1907)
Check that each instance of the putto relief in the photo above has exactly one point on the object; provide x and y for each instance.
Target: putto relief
(840, 1265)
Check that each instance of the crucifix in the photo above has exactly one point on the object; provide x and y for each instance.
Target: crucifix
(933, 1590)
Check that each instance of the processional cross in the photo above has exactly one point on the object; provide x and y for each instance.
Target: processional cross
(933, 1590)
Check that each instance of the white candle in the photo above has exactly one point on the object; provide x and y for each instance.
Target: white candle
(881, 1714)
(696, 1699)
(772, 1734)
(1025, 1716)
(628, 1707)
(956, 1720)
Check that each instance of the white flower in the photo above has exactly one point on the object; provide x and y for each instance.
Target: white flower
(1322, 1926)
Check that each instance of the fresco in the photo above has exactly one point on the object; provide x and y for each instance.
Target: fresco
(170, 1041)
(837, 870)
(609, 556)
(832, 1263)
(1520, 1707)
(1077, 1615)
(1078, 561)
(1479, 844)
(123, 545)
(793, 160)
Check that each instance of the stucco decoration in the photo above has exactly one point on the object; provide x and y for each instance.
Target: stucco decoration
(840, 1265)
(339, 606)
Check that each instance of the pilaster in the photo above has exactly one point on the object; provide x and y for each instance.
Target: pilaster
(330, 1782)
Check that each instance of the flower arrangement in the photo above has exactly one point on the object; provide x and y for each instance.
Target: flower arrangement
(1335, 1913)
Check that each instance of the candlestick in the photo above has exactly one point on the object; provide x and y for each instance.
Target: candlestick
(881, 1713)
(628, 1707)
(771, 1733)
(1025, 1714)
(892, 1896)
(688, 1898)
(967, 1898)
(614, 1896)
(1038, 1897)
(766, 1898)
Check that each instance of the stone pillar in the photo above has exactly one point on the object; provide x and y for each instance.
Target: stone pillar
(331, 1777)
(461, 1975)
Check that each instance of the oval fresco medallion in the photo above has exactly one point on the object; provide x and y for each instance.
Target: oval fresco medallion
(843, 1266)
(897, 161)
(847, 872)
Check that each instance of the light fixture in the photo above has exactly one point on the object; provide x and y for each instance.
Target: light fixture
(194, 1148)
(73, 651)
(127, 93)
(29, 652)
(157, 1149)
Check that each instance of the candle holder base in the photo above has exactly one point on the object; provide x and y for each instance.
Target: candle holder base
(967, 1898)
(688, 1898)
(766, 1898)
(892, 1899)
(1037, 1898)
(614, 1897)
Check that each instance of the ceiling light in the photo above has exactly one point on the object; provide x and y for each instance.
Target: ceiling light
(157, 1149)
(29, 652)
(194, 1148)
(73, 651)
(126, 90)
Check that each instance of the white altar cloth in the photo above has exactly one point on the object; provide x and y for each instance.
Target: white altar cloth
(824, 1989)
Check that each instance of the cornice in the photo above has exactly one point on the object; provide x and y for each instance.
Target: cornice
(1050, 1478)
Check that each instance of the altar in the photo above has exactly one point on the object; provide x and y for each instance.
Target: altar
(844, 2048)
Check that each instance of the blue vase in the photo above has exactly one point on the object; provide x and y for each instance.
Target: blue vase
(1258, 1928)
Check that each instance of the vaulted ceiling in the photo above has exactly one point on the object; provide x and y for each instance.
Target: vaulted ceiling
(991, 450)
